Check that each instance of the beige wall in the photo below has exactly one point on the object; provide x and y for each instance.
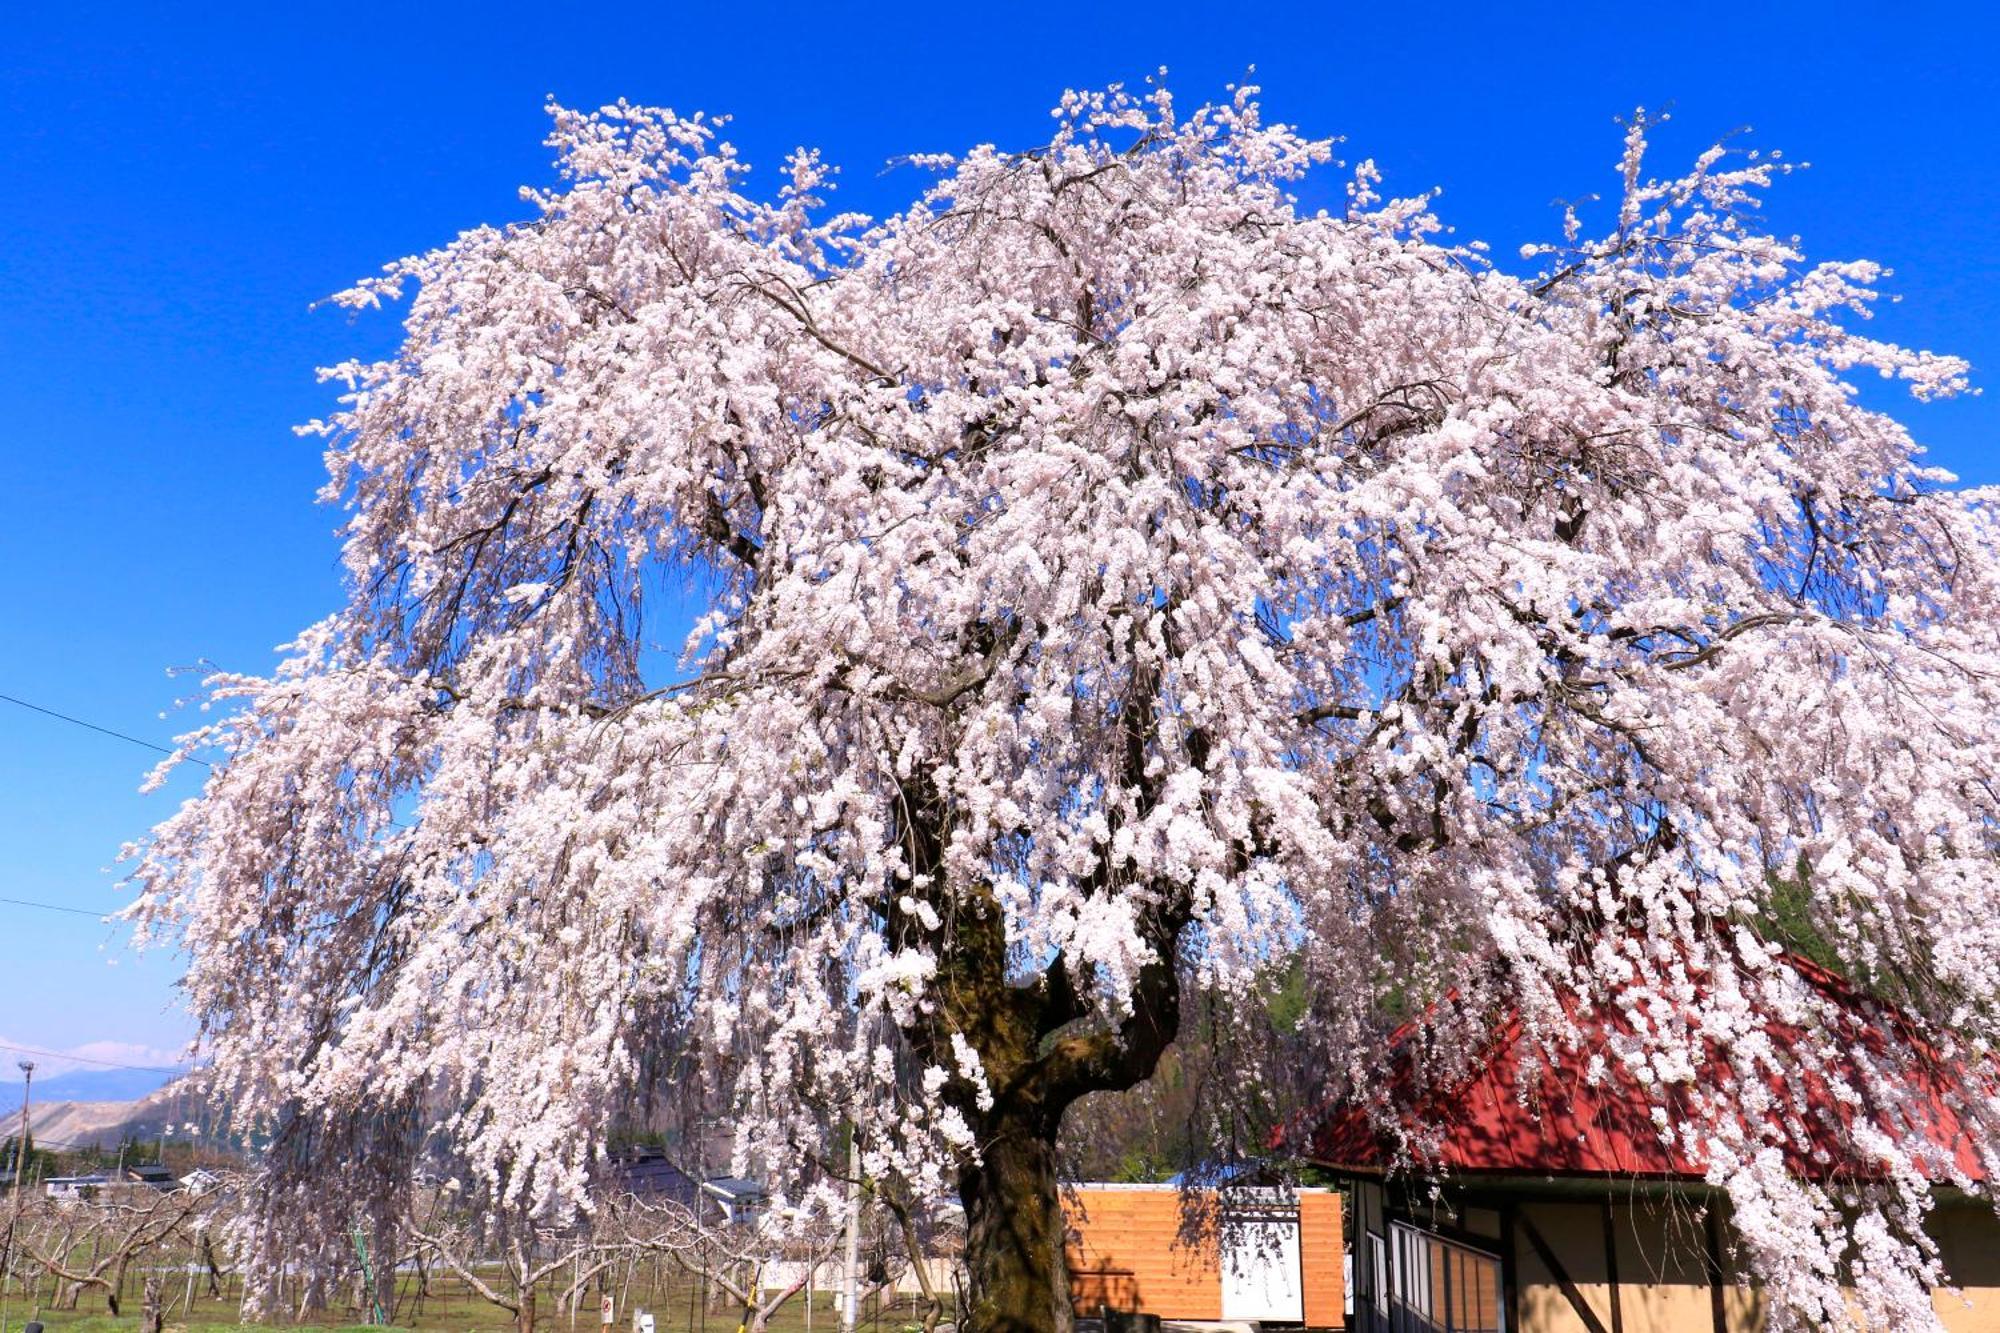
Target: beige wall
(1658, 1247)
(1663, 1283)
(1968, 1237)
(1575, 1235)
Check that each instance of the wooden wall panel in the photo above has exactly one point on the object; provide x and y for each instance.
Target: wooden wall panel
(1126, 1252)
(1321, 1248)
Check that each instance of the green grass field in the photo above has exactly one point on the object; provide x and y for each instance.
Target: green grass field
(677, 1307)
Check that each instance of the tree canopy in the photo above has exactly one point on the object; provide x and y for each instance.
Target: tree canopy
(1114, 578)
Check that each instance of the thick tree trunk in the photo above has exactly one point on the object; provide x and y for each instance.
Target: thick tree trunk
(1041, 1046)
(524, 1315)
(1019, 1282)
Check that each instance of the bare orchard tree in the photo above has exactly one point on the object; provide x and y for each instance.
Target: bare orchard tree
(927, 1241)
(1110, 577)
(758, 1268)
(502, 1255)
(91, 1244)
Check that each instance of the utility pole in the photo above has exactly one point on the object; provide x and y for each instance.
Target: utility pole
(850, 1271)
(27, 1068)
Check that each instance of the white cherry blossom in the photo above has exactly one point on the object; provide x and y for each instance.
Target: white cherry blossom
(1111, 577)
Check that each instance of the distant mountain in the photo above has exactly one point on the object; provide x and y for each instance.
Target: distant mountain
(86, 1085)
(170, 1110)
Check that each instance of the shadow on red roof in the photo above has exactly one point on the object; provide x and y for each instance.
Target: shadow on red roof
(1555, 1121)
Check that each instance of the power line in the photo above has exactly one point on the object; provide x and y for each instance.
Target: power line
(154, 746)
(92, 1060)
(97, 1144)
(40, 1144)
(115, 734)
(57, 907)
(102, 731)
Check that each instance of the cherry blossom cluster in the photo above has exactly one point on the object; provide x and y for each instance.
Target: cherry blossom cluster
(1106, 537)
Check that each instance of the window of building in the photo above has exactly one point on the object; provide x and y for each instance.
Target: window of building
(1440, 1286)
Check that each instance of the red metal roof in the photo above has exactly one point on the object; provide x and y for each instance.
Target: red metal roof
(1556, 1122)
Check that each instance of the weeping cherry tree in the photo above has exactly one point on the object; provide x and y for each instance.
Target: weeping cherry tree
(1112, 578)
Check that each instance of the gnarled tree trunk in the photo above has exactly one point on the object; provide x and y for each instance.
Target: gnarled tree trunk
(1019, 1281)
(1041, 1045)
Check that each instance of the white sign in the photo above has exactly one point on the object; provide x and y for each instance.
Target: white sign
(604, 1309)
(1261, 1277)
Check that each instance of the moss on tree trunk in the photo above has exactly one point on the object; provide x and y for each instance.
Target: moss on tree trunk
(1042, 1044)
(1019, 1281)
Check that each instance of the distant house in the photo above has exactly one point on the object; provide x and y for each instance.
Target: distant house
(75, 1187)
(200, 1180)
(738, 1199)
(646, 1173)
(133, 1179)
(1554, 1207)
(153, 1175)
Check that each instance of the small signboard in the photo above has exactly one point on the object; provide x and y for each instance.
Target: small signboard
(604, 1309)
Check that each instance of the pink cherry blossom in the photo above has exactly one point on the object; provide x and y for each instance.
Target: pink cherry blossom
(1111, 576)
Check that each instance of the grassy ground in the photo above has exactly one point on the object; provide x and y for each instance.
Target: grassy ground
(676, 1308)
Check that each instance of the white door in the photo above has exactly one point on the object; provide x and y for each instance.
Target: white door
(1260, 1262)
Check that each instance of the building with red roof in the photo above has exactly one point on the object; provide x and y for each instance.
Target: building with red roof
(1546, 1200)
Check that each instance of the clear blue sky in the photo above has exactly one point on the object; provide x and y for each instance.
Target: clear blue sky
(181, 182)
